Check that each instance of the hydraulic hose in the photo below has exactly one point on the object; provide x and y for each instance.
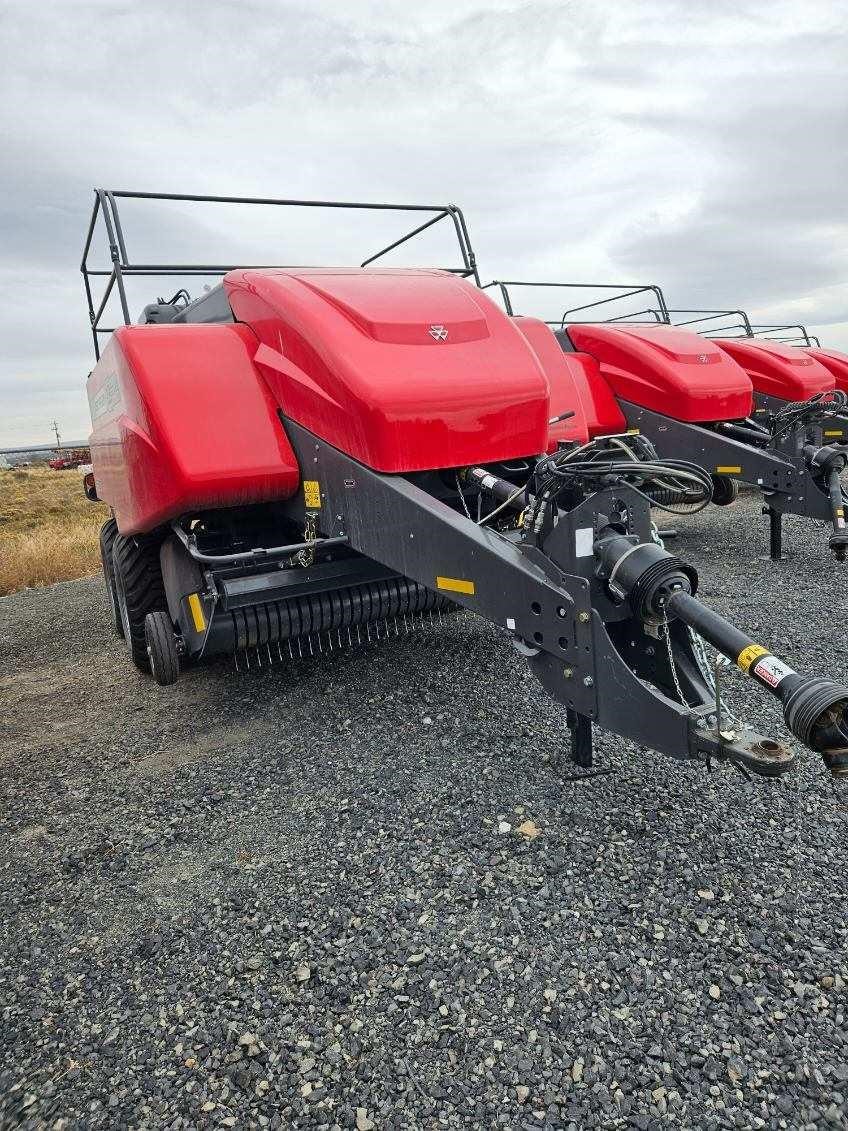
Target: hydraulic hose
(747, 435)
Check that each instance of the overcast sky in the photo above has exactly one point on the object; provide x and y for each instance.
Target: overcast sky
(700, 146)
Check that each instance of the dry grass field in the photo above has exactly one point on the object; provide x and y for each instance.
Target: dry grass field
(48, 529)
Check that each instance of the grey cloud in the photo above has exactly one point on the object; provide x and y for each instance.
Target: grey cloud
(699, 146)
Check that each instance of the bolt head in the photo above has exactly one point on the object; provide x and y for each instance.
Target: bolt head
(588, 681)
(568, 672)
(583, 617)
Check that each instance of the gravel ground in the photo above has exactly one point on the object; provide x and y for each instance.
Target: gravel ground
(301, 897)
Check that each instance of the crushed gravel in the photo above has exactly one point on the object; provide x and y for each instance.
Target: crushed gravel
(355, 892)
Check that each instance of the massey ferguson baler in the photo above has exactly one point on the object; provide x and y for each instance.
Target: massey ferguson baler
(746, 410)
(308, 456)
(788, 383)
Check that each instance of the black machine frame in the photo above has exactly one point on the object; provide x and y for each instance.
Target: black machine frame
(122, 267)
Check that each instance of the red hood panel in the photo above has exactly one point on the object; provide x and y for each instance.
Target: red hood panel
(404, 370)
(777, 370)
(834, 362)
(576, 386)
(667, 370)
(393, 314)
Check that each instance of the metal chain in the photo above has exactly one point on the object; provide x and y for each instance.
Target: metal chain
(462, 496)
(310, 534)
(671, 663)
(698, 647)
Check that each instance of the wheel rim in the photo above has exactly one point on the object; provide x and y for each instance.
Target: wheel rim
(124, 615)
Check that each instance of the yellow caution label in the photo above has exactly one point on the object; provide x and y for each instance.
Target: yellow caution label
(312, 494)
(634, 431)
(747, 656)
(840, 512)
(455, 585)
(734, 470)
(833, 432)
(196, 610)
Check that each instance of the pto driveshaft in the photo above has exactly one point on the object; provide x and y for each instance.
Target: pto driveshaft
(660, 588)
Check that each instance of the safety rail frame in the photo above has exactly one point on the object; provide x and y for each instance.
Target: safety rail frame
(623, 291)
(105, 206)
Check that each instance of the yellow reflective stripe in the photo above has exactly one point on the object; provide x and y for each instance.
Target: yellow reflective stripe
(455, 585)
(197, 612)
(735, 470)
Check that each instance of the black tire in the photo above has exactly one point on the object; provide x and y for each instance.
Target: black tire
(139, 590)
(725, 490)
(108, 534)
(161, 647)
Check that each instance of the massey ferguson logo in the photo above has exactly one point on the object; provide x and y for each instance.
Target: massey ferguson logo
(440, 333)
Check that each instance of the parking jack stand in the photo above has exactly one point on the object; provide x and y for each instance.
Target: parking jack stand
(775, 533)
(581, 739)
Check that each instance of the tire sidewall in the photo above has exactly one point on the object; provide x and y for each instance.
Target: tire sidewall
(120, 602)
(108, 535)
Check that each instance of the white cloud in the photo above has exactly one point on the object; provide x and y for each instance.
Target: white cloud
(698, 146)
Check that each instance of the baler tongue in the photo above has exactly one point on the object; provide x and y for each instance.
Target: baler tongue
(749, 751)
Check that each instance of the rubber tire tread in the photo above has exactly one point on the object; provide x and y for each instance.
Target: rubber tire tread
(159, 639)
(725, 490)
(139, 574)
(108, 534)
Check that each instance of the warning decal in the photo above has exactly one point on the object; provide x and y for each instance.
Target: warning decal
(772, 671)
(312, 494)
(747, 656)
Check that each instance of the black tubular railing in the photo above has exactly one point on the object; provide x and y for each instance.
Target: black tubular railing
(701, 321)
(621, 291)
(798, 334)
(704, 321)
(786, 332)
(106, 207)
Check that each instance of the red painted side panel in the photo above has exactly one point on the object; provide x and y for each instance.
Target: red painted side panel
(404, 370)
(182, 421)
(778, 370)
(835, 362)
(603, 413)
(575, 384)
(667, 370)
